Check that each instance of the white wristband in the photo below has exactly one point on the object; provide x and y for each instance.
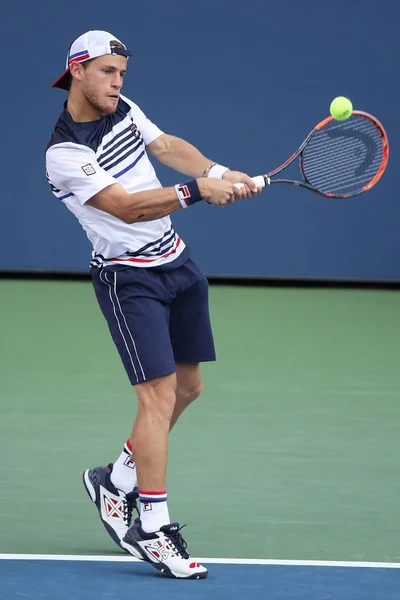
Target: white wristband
(217, 171)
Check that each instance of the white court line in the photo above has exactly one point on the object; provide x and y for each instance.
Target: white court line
(221, 561)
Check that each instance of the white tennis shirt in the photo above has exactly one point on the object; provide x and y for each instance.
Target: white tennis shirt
(84, 158)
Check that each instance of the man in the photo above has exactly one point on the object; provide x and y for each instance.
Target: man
(151, 293)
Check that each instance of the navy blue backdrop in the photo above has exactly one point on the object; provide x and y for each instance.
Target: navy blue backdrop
(244, 82)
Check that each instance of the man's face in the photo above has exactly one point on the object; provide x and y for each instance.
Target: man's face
(102, 80)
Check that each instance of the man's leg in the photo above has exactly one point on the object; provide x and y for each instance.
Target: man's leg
(149, 439)
(174, 392)
(158, 540)
(160, 402)
(188, 388)
(141, 329)
(135, 305)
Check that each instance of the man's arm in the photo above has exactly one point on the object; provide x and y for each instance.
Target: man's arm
(185, 158)
(179, 155)
(154, 204)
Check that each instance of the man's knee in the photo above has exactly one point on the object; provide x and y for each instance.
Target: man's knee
(190, 391)
(189, 383)
(157, 396)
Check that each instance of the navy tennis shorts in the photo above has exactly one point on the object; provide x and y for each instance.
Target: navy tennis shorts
(156, 317)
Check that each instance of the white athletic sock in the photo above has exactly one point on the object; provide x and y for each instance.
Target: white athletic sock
(153, 510)
(123, 475)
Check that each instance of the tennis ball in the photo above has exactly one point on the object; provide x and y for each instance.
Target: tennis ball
(341, 108)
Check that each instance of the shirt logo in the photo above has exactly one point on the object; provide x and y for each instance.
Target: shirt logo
(88, 169)
(135, 131)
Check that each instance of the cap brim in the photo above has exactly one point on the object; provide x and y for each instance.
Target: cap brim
(63, 81)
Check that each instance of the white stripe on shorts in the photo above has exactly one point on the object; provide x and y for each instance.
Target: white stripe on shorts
(126, 325)
(110, 288)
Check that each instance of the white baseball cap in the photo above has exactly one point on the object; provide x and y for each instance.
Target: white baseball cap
(87, 46)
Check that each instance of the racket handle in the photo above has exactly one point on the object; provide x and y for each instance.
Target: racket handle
(259, 180)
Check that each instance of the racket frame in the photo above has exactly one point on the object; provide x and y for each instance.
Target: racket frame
(299, 152)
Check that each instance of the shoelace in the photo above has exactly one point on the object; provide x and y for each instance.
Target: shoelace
(129, 506)
(179, 543)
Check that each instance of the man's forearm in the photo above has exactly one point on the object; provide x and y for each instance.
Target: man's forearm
(183, 157)
(150, 205)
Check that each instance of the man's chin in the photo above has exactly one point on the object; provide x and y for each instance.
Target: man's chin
(109, 110)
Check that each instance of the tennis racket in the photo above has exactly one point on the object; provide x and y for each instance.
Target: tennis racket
(338, 159)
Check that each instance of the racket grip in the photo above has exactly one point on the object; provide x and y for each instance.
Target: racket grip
(259, 180)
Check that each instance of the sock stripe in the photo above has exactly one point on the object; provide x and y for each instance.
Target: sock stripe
(128, 447)
(147, 496)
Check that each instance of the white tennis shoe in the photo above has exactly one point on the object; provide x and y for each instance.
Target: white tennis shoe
(164, 549)
(114, 506)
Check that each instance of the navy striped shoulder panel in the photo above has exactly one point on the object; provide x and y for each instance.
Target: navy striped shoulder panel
(86, 134)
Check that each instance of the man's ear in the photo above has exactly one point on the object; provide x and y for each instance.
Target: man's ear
(76, 70)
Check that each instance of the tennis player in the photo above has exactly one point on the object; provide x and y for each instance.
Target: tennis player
(153, 296)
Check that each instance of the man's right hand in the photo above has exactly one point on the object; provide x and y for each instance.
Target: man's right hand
(218, 191)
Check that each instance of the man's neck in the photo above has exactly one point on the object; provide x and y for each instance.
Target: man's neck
(81, 111)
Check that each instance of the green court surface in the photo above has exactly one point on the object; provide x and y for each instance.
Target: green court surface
(292, 452)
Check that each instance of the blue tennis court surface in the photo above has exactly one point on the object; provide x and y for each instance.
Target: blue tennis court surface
(118, 580)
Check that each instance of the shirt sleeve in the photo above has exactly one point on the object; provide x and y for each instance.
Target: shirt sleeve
(149, 130)
(74, 169)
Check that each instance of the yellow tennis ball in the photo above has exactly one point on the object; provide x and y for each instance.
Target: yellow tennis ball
(341, 108)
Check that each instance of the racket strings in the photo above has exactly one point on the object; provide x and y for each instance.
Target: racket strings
(326, 169)
(343, 157)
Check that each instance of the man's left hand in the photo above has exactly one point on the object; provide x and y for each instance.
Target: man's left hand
(249, 188)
